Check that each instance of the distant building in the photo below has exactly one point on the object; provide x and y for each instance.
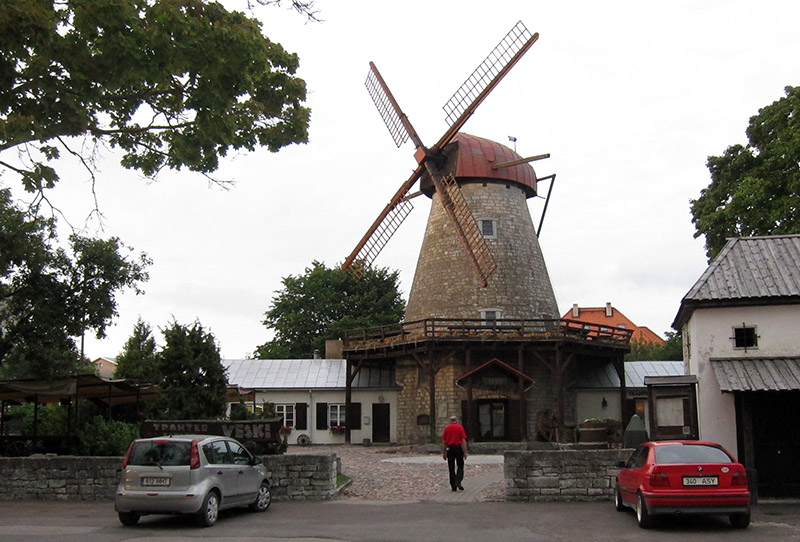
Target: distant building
(611, 317)
(105, 367)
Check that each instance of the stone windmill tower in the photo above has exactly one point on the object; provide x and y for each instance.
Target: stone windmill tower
(496, 184)
(480, 257)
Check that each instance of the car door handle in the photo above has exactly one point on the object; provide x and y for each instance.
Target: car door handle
(220, 472)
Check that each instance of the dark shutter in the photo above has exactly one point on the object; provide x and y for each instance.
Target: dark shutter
(354, 416)
(301, 416)
(322, 415)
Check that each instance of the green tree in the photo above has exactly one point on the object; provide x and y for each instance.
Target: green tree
(50, 295)
(671, 350)
(171, 83)
(193, 378)
(755, 189)
(138, 360)
(322, 303)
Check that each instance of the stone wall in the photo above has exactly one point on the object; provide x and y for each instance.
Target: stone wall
(561, 475)
(69, 478)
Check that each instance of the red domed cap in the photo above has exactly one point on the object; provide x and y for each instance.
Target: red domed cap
(471, 157)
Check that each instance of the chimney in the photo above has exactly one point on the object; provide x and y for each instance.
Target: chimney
(609, 310)
(576, 311)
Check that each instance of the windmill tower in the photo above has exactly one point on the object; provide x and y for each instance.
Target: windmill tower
(480, 256)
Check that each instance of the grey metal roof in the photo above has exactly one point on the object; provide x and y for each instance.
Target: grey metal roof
(757, 374)
(605, 376)
(287, 374)
(747, 269)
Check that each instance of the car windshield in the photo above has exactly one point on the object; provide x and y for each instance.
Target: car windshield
(690, 453)
(162, 453)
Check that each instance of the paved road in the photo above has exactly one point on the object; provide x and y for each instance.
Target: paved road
(352, 520)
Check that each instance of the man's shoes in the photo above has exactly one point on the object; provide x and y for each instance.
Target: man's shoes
(453, 489)
(460, 487)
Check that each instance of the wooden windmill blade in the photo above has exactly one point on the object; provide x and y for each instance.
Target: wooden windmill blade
(459, 108)
(399, 207)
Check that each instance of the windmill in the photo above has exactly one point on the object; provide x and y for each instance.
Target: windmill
(459, 108)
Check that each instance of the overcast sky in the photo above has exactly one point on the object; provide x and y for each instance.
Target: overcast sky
(628, 97)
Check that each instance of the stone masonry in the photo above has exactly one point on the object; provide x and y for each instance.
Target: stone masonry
(561, 475)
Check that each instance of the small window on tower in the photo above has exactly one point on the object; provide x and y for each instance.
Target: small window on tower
(488, 228)
(490, 316)
(745, 337)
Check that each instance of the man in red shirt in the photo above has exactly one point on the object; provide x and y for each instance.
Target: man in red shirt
(454, 451)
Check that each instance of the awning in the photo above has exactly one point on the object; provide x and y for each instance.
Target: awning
(88, 386)
(757, 374)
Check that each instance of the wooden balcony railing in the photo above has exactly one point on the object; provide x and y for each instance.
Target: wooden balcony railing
(478, 329)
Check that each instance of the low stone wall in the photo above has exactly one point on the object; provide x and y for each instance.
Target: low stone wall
(293, 477)
(561, 475)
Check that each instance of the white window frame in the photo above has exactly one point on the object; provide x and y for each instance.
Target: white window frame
(488, 220)
(337, 414)
(287, 412)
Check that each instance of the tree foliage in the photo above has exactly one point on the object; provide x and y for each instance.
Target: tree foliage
(138, 361)
(192, 375)
(755, 189)
(671, 350)
(322, 303)
(49, 295)
(172, 83)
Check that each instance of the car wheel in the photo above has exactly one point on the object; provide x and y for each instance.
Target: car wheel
(209, 512)
(740, 520)
(643, 517)
(263, 498)
(129, 519)
(618, 499)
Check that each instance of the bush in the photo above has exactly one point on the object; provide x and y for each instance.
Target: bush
(103, 438)
(52, 420)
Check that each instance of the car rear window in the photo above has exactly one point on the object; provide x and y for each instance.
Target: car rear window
(164, 453)
(691, 453)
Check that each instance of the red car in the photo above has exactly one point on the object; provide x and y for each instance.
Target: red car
(683, 477)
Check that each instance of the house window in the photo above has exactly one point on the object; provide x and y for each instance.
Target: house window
(745, 337)
(488, 227)
(287, 413)
(336, 414)
(490, 316)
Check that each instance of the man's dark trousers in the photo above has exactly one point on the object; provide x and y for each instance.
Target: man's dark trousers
(455, 464)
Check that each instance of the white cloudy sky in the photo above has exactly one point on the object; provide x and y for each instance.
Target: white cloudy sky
(629, 97)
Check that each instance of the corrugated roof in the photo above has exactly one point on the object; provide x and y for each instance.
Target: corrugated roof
(635, 371)
(757, 374)
(747, 269)
(303, 374)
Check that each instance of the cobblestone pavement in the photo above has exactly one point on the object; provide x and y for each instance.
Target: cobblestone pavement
(396, 473)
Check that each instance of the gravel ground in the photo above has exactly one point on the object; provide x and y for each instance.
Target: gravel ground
(395, 473)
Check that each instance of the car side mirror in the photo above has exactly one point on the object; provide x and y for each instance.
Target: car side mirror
(256, 460)
(620, 464)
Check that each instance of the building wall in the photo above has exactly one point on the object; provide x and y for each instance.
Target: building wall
(312, 397)
(708, 334)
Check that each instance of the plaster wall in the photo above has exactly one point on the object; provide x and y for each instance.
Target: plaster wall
(708, 335)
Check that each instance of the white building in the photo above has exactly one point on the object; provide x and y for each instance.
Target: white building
(741, 335)
(310, 396)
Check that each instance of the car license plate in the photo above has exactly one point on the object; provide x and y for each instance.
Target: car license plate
(700, 481)
(155, 481)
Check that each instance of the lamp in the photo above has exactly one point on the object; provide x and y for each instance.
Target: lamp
(604, 403)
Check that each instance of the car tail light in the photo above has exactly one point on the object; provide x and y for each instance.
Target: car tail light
(659, 479)
(739, 479)
(195, 455)
(127, 456)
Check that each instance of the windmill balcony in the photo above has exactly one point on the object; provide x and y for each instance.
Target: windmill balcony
(512, 330)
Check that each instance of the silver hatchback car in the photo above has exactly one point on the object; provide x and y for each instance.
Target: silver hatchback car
(190, 474)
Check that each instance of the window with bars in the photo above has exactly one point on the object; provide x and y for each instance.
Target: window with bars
(745, 337)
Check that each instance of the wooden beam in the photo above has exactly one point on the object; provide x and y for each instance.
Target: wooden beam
(520, 161)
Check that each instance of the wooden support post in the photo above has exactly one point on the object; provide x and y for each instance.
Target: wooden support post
(523, 426)
(432, 396)
(348, 399)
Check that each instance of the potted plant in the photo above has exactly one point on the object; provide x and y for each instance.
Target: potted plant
(285, 431)
(337, 429)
